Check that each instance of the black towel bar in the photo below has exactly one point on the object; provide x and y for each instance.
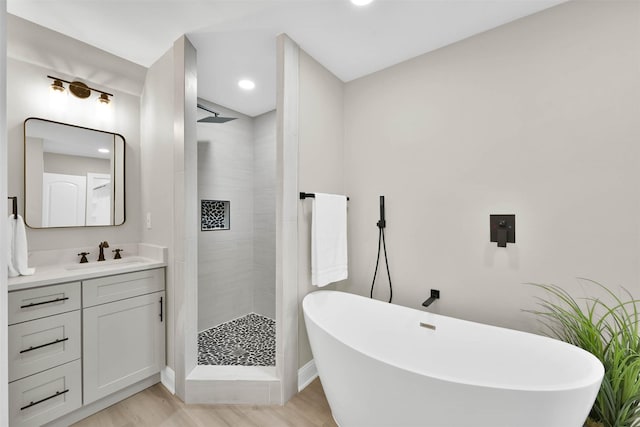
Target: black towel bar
(15, 206)
(309, 195)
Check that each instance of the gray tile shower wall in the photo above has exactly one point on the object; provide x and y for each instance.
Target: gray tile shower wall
(264, 215)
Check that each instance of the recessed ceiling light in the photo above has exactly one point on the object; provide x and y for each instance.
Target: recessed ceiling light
(103, 150)
(361, 2)
(246, 84)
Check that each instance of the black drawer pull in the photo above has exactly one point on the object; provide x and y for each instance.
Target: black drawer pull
(58, 393)
(44, 345)
(161, 316)
(33, 304)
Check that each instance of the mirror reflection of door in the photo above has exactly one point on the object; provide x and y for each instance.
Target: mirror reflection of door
(99, 199)
(63, 201)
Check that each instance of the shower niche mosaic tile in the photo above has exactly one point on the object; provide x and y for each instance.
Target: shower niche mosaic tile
(214, 215)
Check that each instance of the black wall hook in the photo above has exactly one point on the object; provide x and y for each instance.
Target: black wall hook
(14, 207)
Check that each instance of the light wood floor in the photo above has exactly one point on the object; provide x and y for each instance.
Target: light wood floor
(156, 407)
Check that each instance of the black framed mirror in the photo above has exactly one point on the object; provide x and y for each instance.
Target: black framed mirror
(73, 176)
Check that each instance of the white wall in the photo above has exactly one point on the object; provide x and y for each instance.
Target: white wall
(264, 214)
(28, 96)
(156, 167)
(287, 303)
(537, 118)
(225, 257)
(169, 188)
(320, 168)
(185, 206)
(4, 321)
(75, 165)
(168, 163)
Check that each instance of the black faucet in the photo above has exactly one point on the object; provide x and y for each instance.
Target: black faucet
(102, 245)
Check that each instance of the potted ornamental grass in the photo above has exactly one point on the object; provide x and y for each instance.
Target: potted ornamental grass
(609, 331)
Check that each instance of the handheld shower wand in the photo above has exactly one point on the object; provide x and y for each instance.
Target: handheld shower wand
(382, 223)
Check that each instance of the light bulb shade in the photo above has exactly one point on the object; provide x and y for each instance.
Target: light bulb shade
(57, 86)
(104, 99)
(57, 96)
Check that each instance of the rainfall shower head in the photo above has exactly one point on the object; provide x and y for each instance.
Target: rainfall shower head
(216, 118)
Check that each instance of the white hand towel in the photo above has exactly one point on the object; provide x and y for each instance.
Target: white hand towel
(329, 239)
(11, 226)
(18, 249)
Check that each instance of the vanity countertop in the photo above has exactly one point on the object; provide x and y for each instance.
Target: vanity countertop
(53, 274)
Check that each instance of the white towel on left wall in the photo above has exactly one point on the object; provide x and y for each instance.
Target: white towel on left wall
(18, 253)
(329, 239)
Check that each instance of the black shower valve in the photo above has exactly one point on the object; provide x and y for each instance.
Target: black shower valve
(502, 229)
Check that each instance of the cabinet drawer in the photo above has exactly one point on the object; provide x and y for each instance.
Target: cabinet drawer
(122, 286)
(43, 397)
(43, 343)
(35, 303)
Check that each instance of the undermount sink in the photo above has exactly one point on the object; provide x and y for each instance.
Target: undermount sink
(113, 263)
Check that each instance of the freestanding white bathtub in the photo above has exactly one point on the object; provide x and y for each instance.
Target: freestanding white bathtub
(380, 367)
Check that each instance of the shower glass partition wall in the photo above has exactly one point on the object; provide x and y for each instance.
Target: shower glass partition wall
(236, 243)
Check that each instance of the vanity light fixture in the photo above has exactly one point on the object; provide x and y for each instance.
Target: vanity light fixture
(246, 84)
(79, 89)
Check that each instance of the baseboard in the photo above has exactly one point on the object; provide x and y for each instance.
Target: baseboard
(306, 374)
(168, 379)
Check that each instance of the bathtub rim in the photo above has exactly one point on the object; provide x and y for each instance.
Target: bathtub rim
(595, 375)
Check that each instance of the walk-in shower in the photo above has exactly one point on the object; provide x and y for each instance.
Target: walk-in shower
(236, 242)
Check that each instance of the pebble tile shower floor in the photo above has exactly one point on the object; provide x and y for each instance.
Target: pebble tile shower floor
(247, 341)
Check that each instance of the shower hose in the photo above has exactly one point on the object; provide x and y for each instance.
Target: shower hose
(381, 241)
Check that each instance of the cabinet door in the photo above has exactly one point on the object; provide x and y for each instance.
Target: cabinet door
(123, 343)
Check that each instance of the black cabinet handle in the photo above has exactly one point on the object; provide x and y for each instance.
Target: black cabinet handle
(33, 304)
(161, 309)
(58, 393)
(44, 345)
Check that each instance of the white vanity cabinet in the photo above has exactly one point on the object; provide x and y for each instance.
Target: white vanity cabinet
(124, 333)
(72, 344)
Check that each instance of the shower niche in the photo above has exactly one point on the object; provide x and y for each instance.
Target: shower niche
(214, 215)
